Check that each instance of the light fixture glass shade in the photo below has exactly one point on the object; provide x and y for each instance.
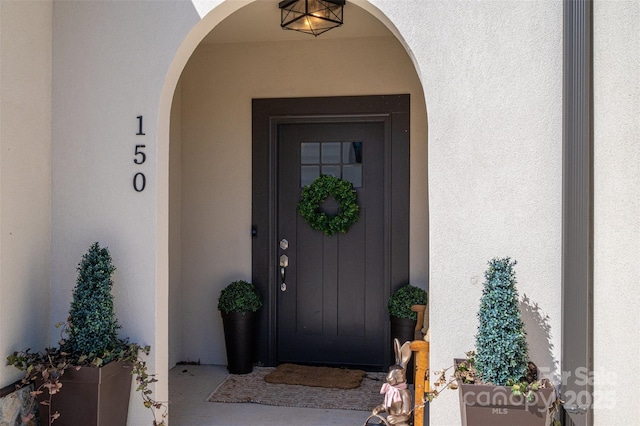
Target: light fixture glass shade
(311, 16)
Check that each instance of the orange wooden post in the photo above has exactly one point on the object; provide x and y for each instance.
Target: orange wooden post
(421, 382)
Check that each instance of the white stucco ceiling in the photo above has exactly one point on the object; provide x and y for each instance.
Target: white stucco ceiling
(260, 21)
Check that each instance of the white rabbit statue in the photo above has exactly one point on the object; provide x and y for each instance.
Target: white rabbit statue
(397, 397)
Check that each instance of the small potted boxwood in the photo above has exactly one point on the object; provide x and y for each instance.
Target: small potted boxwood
(403, 319)
(238, 304)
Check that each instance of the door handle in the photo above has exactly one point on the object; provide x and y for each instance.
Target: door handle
(284, 262)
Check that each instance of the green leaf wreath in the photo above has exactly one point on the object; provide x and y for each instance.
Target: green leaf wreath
(315, 194)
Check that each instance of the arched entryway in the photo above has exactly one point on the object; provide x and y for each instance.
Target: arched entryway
(231, 57)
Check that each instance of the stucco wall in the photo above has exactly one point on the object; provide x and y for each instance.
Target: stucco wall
(493, 84)
(217, 87)
(110, 63)
(616, 208)
(25, 178)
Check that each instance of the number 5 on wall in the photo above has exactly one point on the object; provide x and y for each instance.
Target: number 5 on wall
(142, 156)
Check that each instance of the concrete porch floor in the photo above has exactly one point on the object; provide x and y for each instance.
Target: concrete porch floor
(190, 385)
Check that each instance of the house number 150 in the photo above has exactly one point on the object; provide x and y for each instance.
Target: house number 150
(139, 157)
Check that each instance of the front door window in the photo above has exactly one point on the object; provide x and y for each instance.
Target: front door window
(339, 159)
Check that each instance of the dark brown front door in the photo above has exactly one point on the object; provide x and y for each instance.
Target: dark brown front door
(333, 310)
(329, 310)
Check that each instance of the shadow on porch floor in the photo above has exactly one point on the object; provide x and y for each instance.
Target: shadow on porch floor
(190, 385)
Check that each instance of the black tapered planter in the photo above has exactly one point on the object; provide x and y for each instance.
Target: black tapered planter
(240, 338)
(403, 329)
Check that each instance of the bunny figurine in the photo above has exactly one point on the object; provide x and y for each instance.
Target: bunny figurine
(397, 398)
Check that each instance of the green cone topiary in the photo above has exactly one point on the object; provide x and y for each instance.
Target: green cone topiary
(92, 325)
(501, 346)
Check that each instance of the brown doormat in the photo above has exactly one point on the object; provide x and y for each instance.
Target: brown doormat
(321, 377)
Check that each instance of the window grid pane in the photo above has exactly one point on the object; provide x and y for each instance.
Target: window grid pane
(330, 152)
(308, 174)
(309, 153)
(339, 159)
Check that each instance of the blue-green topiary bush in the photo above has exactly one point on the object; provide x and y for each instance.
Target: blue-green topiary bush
(92, 327)
(501, 346)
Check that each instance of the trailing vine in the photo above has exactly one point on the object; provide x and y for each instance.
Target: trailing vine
(48, 367)
(317, 192)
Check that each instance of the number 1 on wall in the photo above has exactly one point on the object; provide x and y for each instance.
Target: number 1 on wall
(140, 132)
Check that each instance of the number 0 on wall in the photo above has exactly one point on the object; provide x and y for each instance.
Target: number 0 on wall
(139, 182)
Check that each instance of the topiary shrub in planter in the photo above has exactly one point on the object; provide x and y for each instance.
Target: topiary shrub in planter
(238, 303)
(497, 383)
(403, 319)
(92, 362)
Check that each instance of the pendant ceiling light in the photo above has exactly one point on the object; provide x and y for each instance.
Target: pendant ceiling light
(311, 16)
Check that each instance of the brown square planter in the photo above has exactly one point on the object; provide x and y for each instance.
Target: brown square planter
(482, 405)
(92, 396)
